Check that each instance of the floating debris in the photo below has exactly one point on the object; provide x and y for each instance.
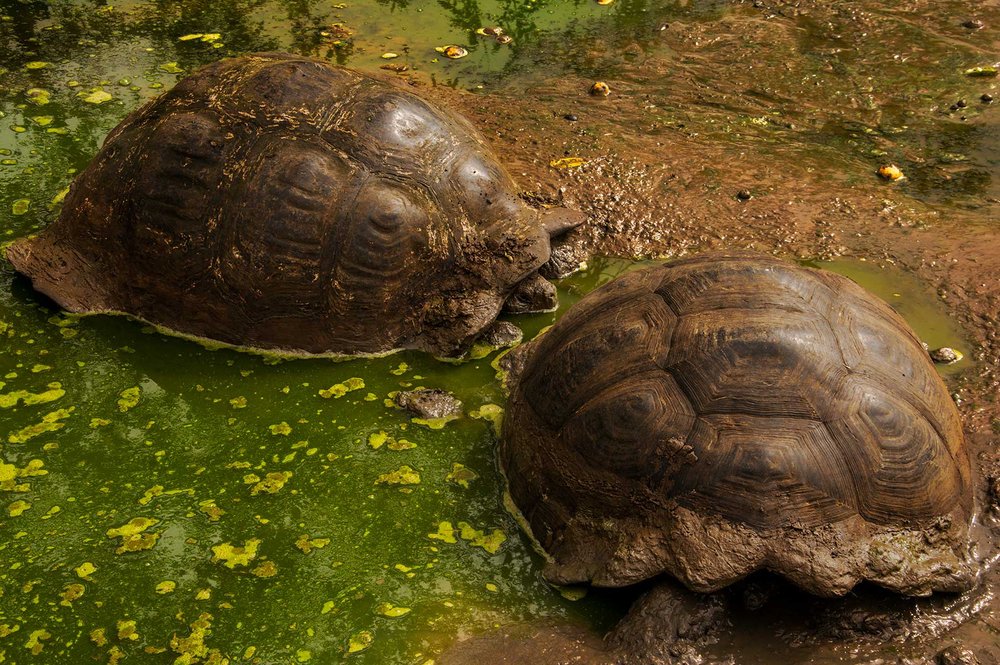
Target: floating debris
(891, 172)
(461, 475)
(96, 96)
(360, 641)
(307, 544)
(85, 570)
(985, 71)
(568, 163)
(20, 206)
(600, 89)
(38, 96)
(452, 51)
(391, 611)
(389, 55)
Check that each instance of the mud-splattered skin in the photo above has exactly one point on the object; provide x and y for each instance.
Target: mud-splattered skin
(278, 202)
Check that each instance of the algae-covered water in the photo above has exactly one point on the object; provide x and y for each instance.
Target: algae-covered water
(165, 502)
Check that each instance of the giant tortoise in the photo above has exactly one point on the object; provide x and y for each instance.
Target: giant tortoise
(725, 414)
(279, 202)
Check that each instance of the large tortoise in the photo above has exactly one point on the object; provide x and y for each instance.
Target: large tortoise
(725, 414)
(279, 202)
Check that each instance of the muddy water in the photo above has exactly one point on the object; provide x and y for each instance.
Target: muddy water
(254, 514)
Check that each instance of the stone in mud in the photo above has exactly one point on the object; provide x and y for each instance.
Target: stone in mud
(667, 623)
(502, 334)
(946, 355)
(956, 655)
(565, 259)
(729, 413)
(279, 202)
(429, 403)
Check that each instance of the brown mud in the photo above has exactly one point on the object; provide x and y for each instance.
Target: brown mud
(764, 130)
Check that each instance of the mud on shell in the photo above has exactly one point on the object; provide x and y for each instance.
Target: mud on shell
(730, 413)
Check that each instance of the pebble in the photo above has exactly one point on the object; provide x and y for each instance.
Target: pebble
(571, 117)
(974, 24)
(956, 655)
(946, 355)
(986, 98)
(744, 195)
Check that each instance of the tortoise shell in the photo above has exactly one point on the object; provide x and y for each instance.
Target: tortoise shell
(725, 414)
(279, 202)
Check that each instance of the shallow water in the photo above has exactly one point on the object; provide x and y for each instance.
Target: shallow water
(104, 420)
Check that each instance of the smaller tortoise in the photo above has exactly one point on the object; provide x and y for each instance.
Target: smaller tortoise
(279, 202)
(731, 413)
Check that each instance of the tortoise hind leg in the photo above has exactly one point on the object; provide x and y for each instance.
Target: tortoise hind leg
(62, 274)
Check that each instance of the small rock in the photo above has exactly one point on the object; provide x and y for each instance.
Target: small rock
(429, 403)
(502, 334)
(564, 260)
(974, 24)
(946, 355)
(961, 104)
(986, 98)
(956, 655)
(571, 117)
(744, 195)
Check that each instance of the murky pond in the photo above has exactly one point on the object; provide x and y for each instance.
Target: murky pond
(167, 502)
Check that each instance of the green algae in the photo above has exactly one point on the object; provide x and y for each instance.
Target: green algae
(129, 398)
(490, 542)
(133, 536)
(280, 429)
(436, 423)
(306, 544)
(51, 422)
(54, 392)
(231, 556)
(404, 475)
(271, 483)
(360, 641)
(445, 533)
(461, 475)
(338, 390)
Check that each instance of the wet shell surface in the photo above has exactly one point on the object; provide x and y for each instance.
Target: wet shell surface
(730, 413)
(279, 202)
